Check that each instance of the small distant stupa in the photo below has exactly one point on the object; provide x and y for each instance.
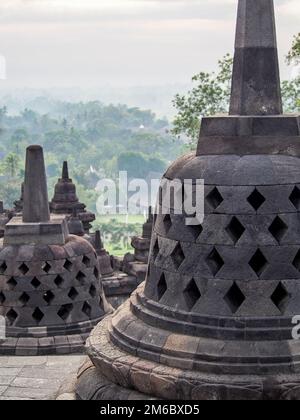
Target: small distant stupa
(136, 265)
(65, 200)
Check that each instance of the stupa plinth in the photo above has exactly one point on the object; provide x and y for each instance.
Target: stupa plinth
(214, 319)
(51, 293)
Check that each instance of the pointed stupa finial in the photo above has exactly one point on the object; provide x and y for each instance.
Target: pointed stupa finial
(98, 240)
(256, 79)
(65, 171)
(36, 203)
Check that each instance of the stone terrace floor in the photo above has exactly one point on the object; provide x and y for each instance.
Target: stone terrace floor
(35, 378)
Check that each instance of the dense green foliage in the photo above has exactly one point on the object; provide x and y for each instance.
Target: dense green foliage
(97, 140)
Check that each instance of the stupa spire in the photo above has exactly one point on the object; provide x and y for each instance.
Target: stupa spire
(36, 203)
(256, 79)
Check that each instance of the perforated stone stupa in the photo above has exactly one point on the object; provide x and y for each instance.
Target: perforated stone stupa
(50, 287)
(214, 318)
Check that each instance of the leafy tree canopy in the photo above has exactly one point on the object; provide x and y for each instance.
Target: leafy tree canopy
(211, 94)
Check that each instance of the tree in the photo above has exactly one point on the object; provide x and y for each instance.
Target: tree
(210, 96)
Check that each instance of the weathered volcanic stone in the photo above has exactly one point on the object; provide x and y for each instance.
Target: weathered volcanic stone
(50, 285)
(213, 320)
(36, 207)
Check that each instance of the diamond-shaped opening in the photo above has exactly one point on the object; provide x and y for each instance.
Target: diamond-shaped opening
(3, 267)
(86, 309)
(46, 268)
(280, 297)
(24, 269)
(93, 291)
(37, 315)
(235, 230)
(48, 297)
(81, 277)
(215, 262)
(195, 230)
(2, 298)
(234, 298)
(86, 261)
(73, 293)
(59, 281)
(167, 221)
(258, 263)
(65, 311)
(11, 316)
(68, 265)
(214, 198)
(161, 287)
(12, 283)
(178, 256)
(24, 298)
(35, 283)
(96, 273)
(155, 251)
(295, 198)
(278, 229)
(296, 262)
(191, 294)
(256, 199)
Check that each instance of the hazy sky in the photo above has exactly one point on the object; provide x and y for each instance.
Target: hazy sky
(122, 42)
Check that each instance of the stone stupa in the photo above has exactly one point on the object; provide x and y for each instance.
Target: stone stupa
(65, 200)
(136, 264)
(50, 287)
(214, 319)
(5, 217)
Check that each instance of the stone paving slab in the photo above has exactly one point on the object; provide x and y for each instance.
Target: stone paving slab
(35, 378)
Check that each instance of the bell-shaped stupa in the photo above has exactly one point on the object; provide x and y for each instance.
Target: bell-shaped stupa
(50, 286)
(215, 318)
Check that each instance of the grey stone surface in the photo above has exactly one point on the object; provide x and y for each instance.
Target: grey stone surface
(50, 285)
